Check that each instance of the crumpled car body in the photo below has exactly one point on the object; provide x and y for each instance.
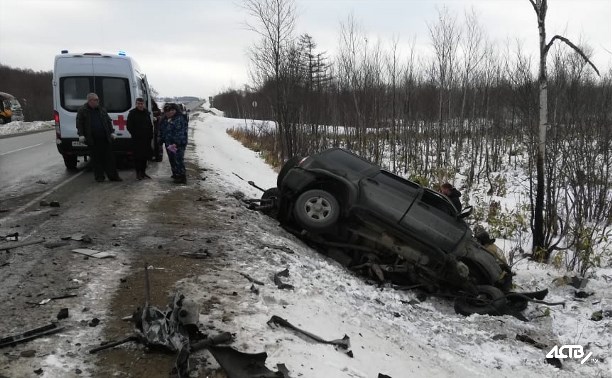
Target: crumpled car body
(339, 200)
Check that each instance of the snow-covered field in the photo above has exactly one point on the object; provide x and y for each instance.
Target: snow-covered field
(391, 332)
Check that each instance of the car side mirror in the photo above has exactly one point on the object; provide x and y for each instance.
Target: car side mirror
(466, 212)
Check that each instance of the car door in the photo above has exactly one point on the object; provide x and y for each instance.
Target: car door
(433, 219)
(386, 195)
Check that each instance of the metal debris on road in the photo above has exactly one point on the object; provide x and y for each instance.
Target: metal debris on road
(7, 246)
(344, 343)
(251, 279)
(94, 253)
(280, 284)
(30, 335)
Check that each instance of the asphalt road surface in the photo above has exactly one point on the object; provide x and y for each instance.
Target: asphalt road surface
(29, 165)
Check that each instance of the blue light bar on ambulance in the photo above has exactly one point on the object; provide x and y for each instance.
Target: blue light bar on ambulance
(122, 53)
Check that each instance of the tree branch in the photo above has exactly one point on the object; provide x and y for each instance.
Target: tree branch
(570, 44)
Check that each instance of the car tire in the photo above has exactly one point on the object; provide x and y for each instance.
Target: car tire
(269, 194)
(70, 161)
(316, 210)
(293, 162)
(489, 300)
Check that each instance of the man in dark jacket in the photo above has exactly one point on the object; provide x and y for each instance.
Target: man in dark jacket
(95, 128)
(453, 194)
(141, 129)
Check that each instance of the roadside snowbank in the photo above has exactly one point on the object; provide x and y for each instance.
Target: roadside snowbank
(18, 127)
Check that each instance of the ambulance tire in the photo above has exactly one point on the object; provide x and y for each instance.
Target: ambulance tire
(70, 161)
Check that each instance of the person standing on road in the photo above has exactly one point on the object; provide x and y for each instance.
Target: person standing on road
(158, 148)
(95, 128)
(173, 130)
(140, 126)
(453, 194)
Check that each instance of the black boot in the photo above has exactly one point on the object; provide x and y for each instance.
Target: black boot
(180, 179)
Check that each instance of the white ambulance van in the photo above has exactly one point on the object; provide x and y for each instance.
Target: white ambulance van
(115, 78)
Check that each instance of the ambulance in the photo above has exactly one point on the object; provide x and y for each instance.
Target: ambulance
(115, 78)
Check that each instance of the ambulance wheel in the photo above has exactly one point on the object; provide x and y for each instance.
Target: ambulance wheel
(70, 161)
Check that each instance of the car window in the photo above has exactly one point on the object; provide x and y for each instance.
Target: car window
(346, 161)
(73, 92)
(397, 182)
(437, 201)
(114, 92)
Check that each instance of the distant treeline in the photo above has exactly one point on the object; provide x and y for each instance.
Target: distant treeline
(33, 89)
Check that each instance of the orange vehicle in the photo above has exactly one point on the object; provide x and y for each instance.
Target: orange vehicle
(6, 111)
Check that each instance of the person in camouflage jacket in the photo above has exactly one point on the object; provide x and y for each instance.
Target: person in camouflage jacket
(173, 132)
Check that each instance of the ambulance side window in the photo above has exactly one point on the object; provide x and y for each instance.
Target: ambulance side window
(73, 91)
(115, 94)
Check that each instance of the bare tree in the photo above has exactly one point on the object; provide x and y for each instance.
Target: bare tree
(445, 35)
(275, 23)
(541, 7)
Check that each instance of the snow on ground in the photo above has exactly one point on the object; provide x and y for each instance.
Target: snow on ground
(21, 126)
(390, 331)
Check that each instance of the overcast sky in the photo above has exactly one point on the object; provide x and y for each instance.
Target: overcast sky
(199, 47)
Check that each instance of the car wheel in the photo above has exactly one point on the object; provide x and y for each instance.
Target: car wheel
(316, 210)
(70, 161)
(488, 300)
(272, 194)
(293, 162)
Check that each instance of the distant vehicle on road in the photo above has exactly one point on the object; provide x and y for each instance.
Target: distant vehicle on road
(115, 78)
(10, 108)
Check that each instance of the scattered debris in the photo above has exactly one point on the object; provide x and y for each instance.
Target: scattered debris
(599, 315)
(344, 343)
(114, 344)
(205, 199)
(582, 294)
(42, 182)
(30, 335)
(200, 254)
(55, 244)
(94, 322)
(245, 365)
(500, 336)
(251, 279)
(554, 361)
(279, 283)
(47, 300)
(78, 237)
(28, 353)
(62, 314)
(54, 204)
(94, 253)
(254, 289)
(529, 340)
(7, 246)
(12, 237)
(43, 203)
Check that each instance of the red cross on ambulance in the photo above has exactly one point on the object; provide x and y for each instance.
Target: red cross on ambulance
(120, 121)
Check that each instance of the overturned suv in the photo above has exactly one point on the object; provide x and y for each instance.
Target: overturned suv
(395, 227)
